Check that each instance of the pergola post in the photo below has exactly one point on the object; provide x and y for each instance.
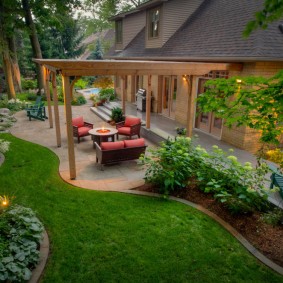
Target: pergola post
(148, 102)
(56, 110)
(68, 113)
(124, 94)
(46, 73)
(191, 106)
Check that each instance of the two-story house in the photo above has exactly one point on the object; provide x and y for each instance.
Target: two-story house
(196, 31)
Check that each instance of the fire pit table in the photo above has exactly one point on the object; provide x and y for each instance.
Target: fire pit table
(102, 135)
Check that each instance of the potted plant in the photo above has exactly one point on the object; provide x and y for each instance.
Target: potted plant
(117, 115)
(181, 131)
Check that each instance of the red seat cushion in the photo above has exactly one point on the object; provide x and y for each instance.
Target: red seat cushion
(130, 121)
(83, 131)
(134, 143)
(112, 145)
(124, 131)
(79, 121)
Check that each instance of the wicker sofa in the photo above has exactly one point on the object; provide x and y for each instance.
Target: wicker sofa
(114, 152)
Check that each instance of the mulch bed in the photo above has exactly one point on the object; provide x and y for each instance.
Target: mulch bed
(266, 238)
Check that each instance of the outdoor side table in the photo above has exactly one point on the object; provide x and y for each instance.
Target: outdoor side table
(102, 135)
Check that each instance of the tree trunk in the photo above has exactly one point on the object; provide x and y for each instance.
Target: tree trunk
(5, 56)
(34, 42)
(14, 63)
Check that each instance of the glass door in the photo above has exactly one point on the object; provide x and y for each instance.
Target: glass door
(169, 95)
(207, 122)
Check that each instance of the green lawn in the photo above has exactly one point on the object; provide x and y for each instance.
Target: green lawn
(114, 237)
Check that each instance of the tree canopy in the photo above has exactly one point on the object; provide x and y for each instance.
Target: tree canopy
(255, 102)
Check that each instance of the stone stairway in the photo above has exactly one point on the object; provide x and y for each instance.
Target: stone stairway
(105, 111)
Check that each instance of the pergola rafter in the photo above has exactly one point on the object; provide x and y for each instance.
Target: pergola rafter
(71, 69)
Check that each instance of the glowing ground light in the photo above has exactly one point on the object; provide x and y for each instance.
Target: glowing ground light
(4, 200)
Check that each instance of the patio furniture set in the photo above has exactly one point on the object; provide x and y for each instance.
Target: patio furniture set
(109, 151)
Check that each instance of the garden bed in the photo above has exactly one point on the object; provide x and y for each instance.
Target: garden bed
(266, 238)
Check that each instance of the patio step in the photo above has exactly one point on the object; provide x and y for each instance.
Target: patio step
(111, 104)
(100, 114)
(105, 110)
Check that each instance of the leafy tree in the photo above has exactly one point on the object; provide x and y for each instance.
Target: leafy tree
(272, 11)
(97, 54)
(255, 102)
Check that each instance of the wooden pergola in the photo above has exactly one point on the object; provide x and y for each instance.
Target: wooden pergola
(71, 70)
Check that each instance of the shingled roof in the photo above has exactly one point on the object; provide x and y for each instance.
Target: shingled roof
(214, 33)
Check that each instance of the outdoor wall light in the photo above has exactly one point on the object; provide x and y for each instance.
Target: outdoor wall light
(185, 78)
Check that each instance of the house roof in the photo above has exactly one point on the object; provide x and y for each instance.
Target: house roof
(105, 35)
(214, 33)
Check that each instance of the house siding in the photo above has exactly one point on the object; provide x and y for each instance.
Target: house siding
(154, 42)
(132, 25)
(174, 15)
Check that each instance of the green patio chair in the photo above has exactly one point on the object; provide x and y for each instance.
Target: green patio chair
(37, 112)
(36, 104)
(276, 179)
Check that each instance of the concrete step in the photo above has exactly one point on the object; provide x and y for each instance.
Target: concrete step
(110, 105)
(100, 114)
(105, 110)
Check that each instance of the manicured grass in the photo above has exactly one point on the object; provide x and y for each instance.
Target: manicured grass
(114, 237)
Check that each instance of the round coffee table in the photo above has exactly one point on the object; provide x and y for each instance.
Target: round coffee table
(102, 135)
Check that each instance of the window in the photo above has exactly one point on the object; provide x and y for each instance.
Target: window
(154, 23)
(119, 32)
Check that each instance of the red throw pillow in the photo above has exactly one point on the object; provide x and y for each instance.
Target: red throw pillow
(134, 143)
(130, 121)
(112, 145)
(79, 121)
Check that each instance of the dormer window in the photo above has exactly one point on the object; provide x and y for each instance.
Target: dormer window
(154, 23)
(119, 31)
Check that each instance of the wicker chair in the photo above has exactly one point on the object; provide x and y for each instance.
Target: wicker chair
(80, 128)
(130, 127)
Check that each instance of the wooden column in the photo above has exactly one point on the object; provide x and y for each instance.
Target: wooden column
(46, 73)
(124, 94)
(56, 110)
(68, 113)
(148, 102)
(191, 105)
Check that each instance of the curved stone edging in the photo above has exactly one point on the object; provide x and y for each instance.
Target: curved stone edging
(43, 256)
(227, 226)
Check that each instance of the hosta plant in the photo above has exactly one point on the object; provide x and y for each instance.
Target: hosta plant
(20, 236)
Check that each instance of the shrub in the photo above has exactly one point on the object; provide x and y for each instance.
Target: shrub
(79, 100)
(29, 84)
(4, 146)
(31, 96)
(21, 233)
(106, 94)
(81, 83)
(117, 114)
(273, 217)
(174, 163)
(275, 155)
(169, 166)
(181, 131)
(12, 104)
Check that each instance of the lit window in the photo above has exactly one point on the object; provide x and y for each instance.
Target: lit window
(154, 22)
